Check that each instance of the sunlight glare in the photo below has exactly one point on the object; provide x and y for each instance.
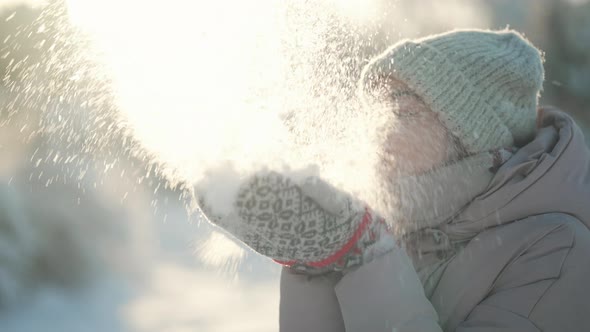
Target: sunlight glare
(185, 72)
(201, 86)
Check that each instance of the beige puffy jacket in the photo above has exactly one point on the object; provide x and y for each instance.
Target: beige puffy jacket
(523, 262)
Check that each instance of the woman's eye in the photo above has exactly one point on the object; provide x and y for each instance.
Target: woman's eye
(401, 93)
(405, 109)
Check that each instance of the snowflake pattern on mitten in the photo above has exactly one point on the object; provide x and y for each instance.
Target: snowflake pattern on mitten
(277, 219)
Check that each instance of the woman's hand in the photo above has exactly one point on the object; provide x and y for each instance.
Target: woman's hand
(309, 225)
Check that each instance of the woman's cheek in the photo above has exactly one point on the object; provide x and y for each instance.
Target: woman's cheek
(417, 146)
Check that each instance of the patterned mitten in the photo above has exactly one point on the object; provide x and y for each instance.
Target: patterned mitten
(311, 227)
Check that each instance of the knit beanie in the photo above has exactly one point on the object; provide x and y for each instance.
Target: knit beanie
(484, 85)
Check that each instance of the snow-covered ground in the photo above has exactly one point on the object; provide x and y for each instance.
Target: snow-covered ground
(176, 298)
(175, 293)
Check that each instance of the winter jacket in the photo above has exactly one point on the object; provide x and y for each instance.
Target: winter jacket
(516, 258)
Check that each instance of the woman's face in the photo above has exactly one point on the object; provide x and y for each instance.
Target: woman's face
(417, 141)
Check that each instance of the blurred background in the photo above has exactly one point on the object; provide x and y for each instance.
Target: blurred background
(96, 236)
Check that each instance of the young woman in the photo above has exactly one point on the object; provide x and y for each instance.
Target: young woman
(488, 198)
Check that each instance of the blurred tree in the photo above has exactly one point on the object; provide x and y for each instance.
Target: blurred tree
(568, 55)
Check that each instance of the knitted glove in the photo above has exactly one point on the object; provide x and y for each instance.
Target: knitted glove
(311, 227)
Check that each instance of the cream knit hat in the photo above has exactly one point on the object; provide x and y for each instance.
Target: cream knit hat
(483, 84)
